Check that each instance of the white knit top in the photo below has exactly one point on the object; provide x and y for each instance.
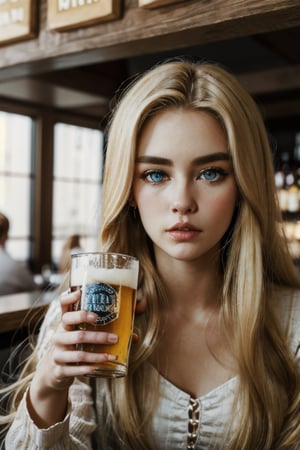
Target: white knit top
(180, 422)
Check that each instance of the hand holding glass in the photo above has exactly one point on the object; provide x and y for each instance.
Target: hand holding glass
(108, 283)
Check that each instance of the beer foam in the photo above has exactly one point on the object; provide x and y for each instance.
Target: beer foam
(89, 275)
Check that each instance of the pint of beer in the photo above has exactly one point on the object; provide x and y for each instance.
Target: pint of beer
(108, 284)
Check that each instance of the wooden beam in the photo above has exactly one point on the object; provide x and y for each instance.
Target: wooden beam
(281, 109)
(83, 81)
(44, 93)
(285, 43)
(272, 81)
(142, 31)
(90, 96)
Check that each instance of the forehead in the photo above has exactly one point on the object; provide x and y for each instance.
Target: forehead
(191, 131)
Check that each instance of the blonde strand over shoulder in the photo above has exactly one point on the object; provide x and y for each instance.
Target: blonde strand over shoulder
(256, 256)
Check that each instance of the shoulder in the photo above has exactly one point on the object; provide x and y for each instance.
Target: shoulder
(12, 266)
(5, 258)
(287, 309)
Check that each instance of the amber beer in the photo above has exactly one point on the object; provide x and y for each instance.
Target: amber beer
(108, 282)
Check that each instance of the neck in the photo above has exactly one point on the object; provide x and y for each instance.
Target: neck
(192, 285)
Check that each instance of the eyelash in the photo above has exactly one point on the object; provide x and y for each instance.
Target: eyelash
(219, 173)
(146, 176)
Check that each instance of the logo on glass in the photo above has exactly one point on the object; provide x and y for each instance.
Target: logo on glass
(102, 299)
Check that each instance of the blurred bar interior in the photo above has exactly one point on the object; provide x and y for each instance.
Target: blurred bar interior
(61, 64)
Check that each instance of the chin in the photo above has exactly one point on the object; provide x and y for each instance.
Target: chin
(192, 254)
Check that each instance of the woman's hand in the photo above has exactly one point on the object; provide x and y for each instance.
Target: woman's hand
(64, 361)
(56, 371)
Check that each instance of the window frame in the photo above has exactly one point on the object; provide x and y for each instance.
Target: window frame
(44, 120)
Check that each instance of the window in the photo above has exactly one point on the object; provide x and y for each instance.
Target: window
(78, 160)
(16, 180)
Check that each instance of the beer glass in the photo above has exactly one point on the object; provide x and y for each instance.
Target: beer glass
(108, 284)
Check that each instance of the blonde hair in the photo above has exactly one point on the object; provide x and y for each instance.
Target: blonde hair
(256, 256)
(255, 260)
(72, 242)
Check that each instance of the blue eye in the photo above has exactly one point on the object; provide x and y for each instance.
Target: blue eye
(212, 175)
(155, 176)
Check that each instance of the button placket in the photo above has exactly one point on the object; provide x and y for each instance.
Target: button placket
(193, 423)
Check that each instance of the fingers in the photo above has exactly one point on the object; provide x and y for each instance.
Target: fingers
(69, 333)
(81, 357)
(59, 367)
(70, 319)
(71, 316)
(77, 337)
(68, 300)
(66, 358)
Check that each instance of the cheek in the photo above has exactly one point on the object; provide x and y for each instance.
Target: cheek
(152, 208)
(222, 206)
(147, 200)
(148, 217)
(149, 207)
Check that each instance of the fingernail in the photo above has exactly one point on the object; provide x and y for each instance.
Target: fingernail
(112, 357)
(92, 317)
(113, 338)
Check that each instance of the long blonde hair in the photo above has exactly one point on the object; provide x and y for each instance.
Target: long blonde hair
(255, 261)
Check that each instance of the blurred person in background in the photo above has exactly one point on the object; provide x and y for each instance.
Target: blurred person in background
(14, 275)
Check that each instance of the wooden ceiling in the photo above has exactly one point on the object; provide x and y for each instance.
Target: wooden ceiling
(267, 63)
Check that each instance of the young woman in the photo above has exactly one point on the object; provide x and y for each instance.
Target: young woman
(189, 190)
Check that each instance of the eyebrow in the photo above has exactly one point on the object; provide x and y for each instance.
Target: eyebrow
(218, 156)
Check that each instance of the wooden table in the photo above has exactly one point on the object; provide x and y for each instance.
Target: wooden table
(23, 310)
(20, 317)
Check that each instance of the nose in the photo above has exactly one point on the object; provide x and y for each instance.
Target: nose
(183, 201)
(182, 209)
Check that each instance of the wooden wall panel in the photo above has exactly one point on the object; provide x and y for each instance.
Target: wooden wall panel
(140, 31)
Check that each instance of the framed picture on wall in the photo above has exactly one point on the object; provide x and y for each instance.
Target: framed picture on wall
(18, 20)
(65, 15)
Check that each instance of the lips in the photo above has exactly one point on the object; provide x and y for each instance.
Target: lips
(183, 232)
(185, 226)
